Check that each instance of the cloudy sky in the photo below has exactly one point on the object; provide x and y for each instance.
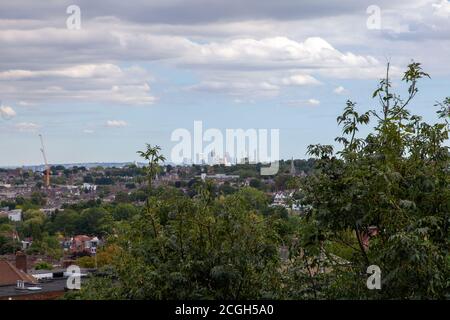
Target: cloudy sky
(137, 70)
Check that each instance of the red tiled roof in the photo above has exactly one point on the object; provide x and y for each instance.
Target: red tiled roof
(9, 274)
(81, 238)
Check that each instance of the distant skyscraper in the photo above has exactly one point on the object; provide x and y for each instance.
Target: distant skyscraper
(200, 158)
(211, 158)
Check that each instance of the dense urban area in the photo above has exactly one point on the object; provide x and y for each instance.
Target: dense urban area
(65, 222)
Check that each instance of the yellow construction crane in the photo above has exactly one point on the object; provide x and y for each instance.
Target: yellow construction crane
(47, 168)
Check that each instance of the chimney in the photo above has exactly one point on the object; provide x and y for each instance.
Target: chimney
(21, 261)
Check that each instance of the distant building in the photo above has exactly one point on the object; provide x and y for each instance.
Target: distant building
(26, 244)
(285, 199)
(83, 243)
(13, 215)
(280, 198)
(89, 187)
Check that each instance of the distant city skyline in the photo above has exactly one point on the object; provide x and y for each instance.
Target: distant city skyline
(132, 74)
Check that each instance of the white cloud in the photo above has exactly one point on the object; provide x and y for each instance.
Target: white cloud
(224, 53)
(442, 9)
(313, 102)
(25, 103)
(340, 90)
(243, 101)
(302, 103)
(6, 112)
(116, 123)
(78, 71)
(275, 53)
(300, 80)
(82, 83)
(27, 126)
(251, 67)
(243, 87)
(125, 42)
(137, 94)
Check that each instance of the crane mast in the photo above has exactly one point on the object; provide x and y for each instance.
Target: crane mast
(47, 168)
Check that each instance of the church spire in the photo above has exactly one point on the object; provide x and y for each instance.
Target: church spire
(292, 167)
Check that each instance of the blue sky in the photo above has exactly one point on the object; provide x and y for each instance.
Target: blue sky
(134, 74)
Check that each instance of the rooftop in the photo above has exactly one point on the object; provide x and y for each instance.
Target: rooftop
(9, 274)
(47, 288)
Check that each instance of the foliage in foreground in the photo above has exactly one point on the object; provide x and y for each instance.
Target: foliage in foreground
(394, 182)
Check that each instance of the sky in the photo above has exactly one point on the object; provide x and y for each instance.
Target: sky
(132, 72)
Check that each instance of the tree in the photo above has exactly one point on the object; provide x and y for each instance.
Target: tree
(95, 221)
(32, 225)
(121, 197)
(67, 222)
(47, 245)
(391, 190)
(8, 245)
(154, 157)
(38, 198)
(255, 183)
(124, 211)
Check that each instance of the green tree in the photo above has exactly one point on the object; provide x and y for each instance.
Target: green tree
(8, 245)
(154, 158)
(124, 211)
(391, 191)
(95, 221)
(67, 222)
